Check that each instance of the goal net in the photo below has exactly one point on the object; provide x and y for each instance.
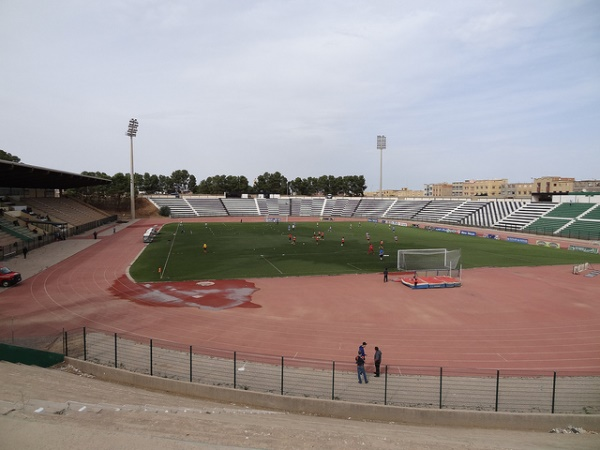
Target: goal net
(429, 260)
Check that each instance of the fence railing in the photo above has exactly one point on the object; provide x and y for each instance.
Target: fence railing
(16, 248)
(408, 386)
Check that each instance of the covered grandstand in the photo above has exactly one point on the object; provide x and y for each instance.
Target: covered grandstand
(33, 211)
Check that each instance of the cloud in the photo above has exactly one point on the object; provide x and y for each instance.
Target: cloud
(303, 88)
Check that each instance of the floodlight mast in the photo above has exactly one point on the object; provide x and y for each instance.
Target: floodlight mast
(132, 132)
(381, 141)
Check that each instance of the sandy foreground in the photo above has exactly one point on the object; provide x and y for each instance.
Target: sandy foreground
(61, 408)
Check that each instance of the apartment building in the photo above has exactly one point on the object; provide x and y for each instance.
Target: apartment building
(552, 185)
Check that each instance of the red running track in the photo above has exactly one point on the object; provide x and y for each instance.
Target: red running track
(541, 318)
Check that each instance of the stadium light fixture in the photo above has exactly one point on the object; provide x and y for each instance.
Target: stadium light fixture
(132, 132)
(381, 141)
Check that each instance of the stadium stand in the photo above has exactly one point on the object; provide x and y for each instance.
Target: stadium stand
(576, 220)
(493, 212)
(406, 209)
(437, 210)
(582, 229)
(306, 207)
(525, 215)
(241, 206)
(593, 213)
(285, 208)
(179, 207)
(463, 211)
(273, 206)
(340, 207)
(373, 207)
(569, 210)
(547, 225)
(16, 229)
(208, 207)
(63, 209)
(6, 239)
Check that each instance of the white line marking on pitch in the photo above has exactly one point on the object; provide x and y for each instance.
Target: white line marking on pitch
(503, 358)
(274, 266)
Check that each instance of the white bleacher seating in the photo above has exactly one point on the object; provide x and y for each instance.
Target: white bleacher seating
(208, 207)
(437, 210)
(525, 215)
(241, 206)
(373, 207)
(179, 207)
(406, 209)
(460, 214)
(493, 212)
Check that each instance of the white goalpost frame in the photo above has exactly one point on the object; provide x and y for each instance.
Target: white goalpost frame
(429, 260)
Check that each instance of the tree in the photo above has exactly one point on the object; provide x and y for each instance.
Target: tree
(8, 157)
(192, 183)
(180, 180)
(150, 184)
(164, 183)
(271, 183)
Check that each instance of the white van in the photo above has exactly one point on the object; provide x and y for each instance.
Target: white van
(149, 235)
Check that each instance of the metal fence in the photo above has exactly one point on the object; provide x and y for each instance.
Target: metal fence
(16, 248)
(407, 386)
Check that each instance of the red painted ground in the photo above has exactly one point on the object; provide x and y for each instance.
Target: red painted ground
(518, 318)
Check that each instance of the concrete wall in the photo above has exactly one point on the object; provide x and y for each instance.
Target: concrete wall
(343, 410)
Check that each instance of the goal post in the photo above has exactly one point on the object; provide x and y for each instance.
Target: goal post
(429, 260)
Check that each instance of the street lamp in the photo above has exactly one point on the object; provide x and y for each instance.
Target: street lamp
(381, 147)
(132, 132)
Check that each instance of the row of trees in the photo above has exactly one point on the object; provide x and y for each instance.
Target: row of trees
(181, 181)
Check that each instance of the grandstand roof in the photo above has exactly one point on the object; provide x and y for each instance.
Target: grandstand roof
(18, 175)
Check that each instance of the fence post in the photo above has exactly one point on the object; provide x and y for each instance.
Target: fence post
(115, 350)
(333, 381)
(65, 343)
(385, 386)
(84, 345)
(440, 388)
(497, 388)
(190, 363)
(151, 364)
(553, 391)
(234, 369)
(282, 375)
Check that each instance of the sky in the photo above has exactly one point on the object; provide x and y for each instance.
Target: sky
(461, 90)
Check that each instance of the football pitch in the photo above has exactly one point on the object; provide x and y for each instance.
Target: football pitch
(264, 249)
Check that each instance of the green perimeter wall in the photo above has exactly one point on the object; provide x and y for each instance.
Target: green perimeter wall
(28, 356)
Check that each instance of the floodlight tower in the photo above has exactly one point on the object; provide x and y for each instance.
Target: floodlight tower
(381, 147)
(132, 132)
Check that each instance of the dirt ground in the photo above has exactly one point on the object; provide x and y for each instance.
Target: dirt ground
(61, 408)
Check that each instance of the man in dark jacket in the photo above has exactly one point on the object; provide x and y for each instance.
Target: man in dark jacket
(377, 359)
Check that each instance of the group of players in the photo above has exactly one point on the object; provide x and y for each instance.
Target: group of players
(319, 236)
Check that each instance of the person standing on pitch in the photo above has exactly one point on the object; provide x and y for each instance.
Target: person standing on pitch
(385, 275)
(377, 360)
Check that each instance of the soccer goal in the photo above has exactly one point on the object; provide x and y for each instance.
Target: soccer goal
(430, 261)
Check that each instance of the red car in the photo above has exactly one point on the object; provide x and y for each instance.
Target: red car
(8, 277)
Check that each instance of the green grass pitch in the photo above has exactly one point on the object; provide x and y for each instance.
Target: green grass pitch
(262, 249)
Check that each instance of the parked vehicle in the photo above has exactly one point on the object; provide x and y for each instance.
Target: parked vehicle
(8, 277)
